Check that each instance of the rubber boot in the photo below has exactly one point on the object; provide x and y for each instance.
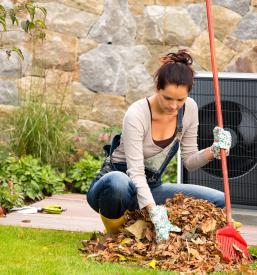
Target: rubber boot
(112, 225)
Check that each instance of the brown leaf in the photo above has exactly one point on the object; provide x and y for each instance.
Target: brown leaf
(137, 228)
(2, 212)
(209, 225)
(26, 221)
(126, 241)
(199, 241)
(140, 246)
(193, 251)
(148, 234)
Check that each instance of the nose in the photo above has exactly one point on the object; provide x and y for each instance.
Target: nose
(174, 104)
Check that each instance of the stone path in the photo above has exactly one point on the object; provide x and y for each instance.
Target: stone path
(77, 217)
(80, 217)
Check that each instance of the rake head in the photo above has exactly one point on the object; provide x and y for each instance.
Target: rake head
(232, 245)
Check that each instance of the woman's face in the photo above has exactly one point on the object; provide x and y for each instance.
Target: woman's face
(172, 98)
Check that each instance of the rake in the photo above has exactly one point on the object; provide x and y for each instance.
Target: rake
(231, 244)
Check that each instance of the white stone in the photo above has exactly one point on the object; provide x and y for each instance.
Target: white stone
(239, 6)
(247, 28)
(14, 66)
(91, 6)
(81, 95)
(131, 56)
(141, 84)
(86, 45)
(171, 25)
(104, 69)
(116, 25)
(89, 126)
(67, 20)
(56, 51)
(7, 4)
(8, 93)
(198, 14)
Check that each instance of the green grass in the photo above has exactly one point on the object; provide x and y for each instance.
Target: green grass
(29, 251)
(253, 251)
(34, 251)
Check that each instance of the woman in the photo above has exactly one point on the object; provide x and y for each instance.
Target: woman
(153, 128)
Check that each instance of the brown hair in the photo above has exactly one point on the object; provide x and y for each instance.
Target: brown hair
(176, 69)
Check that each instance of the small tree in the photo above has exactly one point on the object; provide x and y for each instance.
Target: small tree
(25, 16)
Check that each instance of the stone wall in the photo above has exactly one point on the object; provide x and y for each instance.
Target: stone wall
(102, 54)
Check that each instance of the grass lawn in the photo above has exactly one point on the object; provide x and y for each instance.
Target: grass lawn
(29, 251)
(35, 251)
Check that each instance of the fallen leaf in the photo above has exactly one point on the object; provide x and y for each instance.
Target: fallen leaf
(152, 264)
(122, 258)
(239, 250)
(198, 241)
(2, 212)
(209, 225)
(140, 245)
(126, 241)
(148, 233)
(194, 251)
(26, 221)
(137, 228)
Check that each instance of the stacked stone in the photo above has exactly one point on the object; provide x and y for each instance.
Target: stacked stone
(103, 54)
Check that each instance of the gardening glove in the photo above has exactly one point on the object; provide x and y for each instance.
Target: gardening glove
(159, 217)
(222, 140)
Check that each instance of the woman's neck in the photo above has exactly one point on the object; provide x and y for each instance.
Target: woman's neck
(156, 109)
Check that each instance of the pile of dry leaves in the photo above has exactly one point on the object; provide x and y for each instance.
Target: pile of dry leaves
(192, 250)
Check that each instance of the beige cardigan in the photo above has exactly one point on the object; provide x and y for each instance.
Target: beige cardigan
(136, 145)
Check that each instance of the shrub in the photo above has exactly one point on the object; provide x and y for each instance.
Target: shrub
(31, 178)
(10, 197)
(83, 172)
(34, 23)
(170, 173)
(41, 130)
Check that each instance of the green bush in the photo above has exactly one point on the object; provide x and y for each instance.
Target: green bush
(170, 173)
(10, 197)
(25, 16)
(30, 177)
(83, 172)
(41, 130)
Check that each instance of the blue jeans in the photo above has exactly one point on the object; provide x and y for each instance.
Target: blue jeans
(114, 193)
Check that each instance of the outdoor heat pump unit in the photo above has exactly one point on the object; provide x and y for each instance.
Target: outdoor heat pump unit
(239, 109)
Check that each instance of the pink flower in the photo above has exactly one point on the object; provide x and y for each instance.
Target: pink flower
(104, 137)
(77, 138)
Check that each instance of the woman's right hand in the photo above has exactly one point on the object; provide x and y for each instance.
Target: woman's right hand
(222, 140)
(159, 217)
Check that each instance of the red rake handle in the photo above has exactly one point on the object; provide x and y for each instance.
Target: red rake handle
(218, 110)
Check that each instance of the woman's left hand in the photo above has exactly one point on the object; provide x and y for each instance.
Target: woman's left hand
(222, 140)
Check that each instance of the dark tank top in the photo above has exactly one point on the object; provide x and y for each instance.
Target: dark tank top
(165, 142)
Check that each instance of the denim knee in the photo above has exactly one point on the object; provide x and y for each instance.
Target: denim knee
(220, 200)
(112, 194)
(117, 183)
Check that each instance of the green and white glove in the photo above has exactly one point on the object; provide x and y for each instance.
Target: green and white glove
(159, 217)
(222, 140)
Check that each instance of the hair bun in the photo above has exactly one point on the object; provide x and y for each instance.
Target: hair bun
(180, 57)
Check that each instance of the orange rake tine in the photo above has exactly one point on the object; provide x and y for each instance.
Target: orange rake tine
(230, 242)
(232, 245)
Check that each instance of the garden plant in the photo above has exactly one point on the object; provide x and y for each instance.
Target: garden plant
(41, 154)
